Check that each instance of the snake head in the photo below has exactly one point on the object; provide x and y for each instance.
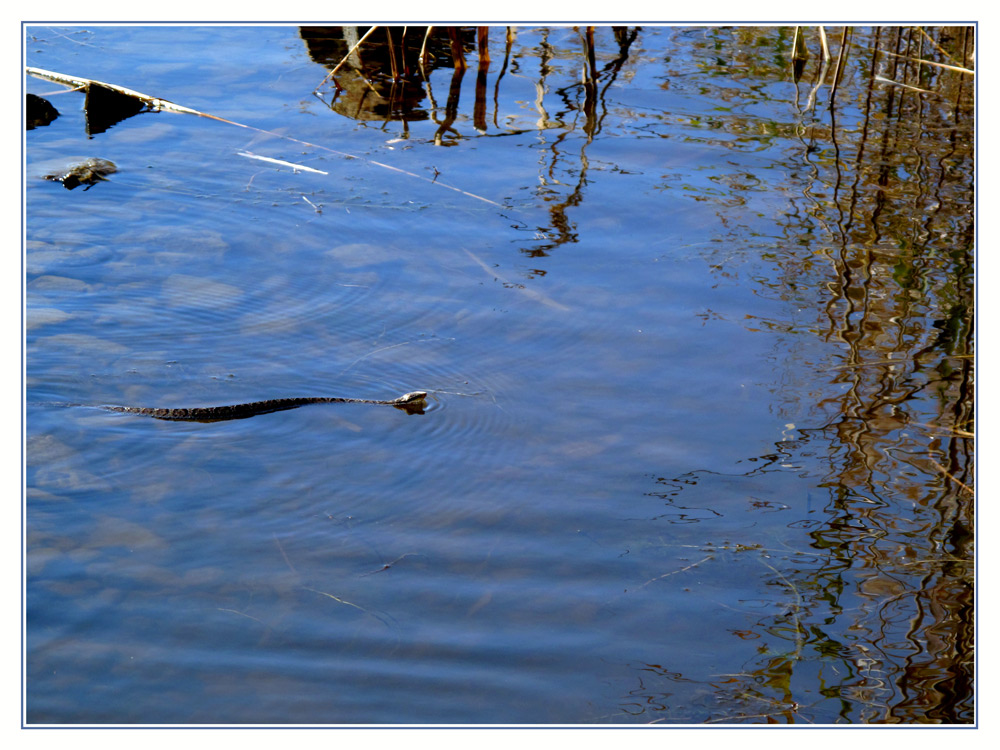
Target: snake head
(412, 397)
(412, 403)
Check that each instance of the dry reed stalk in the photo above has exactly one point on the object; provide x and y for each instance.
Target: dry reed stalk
(393, 69)
(280, 162)
(931, 62)
(936, 45)
(799, 49)
(402, 53)
(349, 53)
(423, 59)
(953, 430)
(826, 49)
(675, 572)
(841, 58)
(537, 296)
(907, 86)
(78, 84)
(800, 56)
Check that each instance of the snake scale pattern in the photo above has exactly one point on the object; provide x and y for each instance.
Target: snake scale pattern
(411, 403)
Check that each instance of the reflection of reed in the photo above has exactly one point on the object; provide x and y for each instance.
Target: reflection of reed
(886, 209)
(385, 76)
(874, 314)
(902, 589)
(876, 228)
(890, 273)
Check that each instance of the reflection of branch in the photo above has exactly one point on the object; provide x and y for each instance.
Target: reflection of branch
(591, 127)
(503, 69)
(451, 106)
(811, 100)
(826, 48)
(841, 58)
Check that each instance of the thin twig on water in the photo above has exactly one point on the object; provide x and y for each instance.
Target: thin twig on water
(349, 53)
(537, 296)
(950, 476)
(280, 162)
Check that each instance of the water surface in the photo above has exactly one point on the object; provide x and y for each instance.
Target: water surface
(699, 348)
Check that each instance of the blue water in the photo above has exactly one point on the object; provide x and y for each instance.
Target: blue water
(625, 483)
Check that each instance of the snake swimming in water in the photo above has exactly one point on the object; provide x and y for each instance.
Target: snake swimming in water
(411, 403)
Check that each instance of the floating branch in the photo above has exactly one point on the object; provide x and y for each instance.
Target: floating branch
(296, 167)
(675, 572)
(929, 62)
(880, 79)
(389, 565)
(937, 46)
(537, 296)
(156, 104)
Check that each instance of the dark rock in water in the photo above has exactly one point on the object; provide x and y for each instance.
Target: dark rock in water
(87, 172)
(106, 107)
(38, 112)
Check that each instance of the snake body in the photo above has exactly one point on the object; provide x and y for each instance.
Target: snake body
(411, 403)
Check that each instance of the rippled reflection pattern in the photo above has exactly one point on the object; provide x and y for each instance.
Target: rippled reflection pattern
(694, 310)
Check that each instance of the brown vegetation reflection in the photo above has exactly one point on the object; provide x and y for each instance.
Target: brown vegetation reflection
(383, 74)
(879, 607)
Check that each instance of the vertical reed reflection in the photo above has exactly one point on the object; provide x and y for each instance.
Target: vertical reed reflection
(902, 257)
(884, 612)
